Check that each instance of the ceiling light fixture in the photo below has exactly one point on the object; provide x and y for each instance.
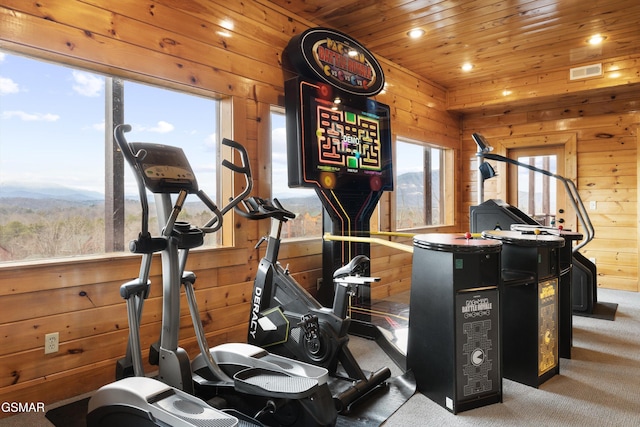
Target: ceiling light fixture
(227, 27)
(596, 39)
(467, 66)
(227, 24)
(416, 33)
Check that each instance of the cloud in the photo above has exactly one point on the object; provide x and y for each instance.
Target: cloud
(87, 84)
(8, 86)
(162, 127)
(279, 144)
(211, 141)
(279, 137)
(30, 117)
(2, 56)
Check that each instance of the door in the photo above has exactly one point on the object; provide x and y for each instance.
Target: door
(540, 196)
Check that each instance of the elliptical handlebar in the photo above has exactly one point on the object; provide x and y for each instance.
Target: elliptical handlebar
(215, 223)
(132, 158)
(256, 208)
(245, 169)
(135, 159)
(127, 152)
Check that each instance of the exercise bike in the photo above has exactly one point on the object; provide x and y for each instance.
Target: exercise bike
(264, 387)
(287, 320)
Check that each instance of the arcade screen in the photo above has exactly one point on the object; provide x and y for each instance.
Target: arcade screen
(335, 141)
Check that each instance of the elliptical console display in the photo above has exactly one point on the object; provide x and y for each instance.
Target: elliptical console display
(164, 168)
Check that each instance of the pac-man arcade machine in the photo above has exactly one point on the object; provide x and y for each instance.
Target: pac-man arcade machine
(338, 140)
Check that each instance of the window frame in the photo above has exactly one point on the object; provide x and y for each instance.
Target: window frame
(114, 163)
(447, 193)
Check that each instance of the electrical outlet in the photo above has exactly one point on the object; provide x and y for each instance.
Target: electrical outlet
(51, 342)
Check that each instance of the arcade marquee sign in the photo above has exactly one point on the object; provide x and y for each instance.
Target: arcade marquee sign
(336, 59)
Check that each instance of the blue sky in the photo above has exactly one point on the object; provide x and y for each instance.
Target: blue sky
(52, 127)
(52, 124)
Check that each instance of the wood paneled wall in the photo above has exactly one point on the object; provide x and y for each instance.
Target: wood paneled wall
(175, 44)
(606, 133)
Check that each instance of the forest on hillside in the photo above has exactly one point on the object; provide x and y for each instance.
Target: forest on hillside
(53, 223)
(52, 228)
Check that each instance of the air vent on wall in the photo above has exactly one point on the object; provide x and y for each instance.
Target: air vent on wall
(585, 72)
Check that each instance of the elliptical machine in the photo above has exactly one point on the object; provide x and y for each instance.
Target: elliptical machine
(272, 389)
(287, 320)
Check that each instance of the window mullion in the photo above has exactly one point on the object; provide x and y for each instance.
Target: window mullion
(428, 187)
(114, 167)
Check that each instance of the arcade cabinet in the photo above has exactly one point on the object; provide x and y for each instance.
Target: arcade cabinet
(530, 305)
(454, 347)
(338, 143)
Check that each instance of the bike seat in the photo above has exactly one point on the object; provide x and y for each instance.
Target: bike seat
(358, 265)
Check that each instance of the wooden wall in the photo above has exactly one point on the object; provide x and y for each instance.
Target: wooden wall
(606, 168)
(175, 44)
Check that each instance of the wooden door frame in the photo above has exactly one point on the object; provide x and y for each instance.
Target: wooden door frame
(568, 140)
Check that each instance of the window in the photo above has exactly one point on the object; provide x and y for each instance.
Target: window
(302, 201)
(420, 185)
(537, 193)
(52, 155)
(178, 119)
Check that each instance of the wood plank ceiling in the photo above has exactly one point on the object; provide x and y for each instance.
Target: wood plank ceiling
(500, 38)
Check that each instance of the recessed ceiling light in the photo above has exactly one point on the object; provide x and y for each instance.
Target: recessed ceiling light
(416, 33)
(227, 27)
(227, 24)
(596, 39)
(467, 66)
(506, 92)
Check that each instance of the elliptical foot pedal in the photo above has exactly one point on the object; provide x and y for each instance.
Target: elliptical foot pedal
(265, 382)
(145, 402)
